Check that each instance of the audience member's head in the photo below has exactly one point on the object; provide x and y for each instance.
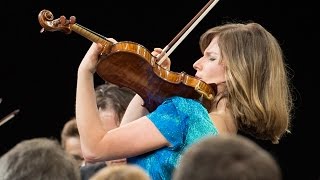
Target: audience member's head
(227, 157)
(112, 102)
(70, 140)
(121, 172)
(38, 158)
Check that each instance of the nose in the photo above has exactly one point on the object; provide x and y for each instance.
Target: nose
(197, 65)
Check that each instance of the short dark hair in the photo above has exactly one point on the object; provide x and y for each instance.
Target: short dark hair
(227, 157)
(70, 129)
(109, 95)
(38, 158)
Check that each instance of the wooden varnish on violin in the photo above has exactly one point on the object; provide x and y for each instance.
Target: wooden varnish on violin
(131, 65)
(152, 82)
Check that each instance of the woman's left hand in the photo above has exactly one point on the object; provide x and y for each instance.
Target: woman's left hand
(90, 60)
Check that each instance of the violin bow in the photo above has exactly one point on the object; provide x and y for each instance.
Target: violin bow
(185, 31)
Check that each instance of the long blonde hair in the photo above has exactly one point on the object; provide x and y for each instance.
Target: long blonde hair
(258, 90)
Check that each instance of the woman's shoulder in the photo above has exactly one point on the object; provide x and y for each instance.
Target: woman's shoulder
(183, 101)
(188, 104)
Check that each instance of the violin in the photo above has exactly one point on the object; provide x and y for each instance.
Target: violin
(129, 64)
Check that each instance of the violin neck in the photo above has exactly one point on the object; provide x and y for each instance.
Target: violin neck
(89, 34)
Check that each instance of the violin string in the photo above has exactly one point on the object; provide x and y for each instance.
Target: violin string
(92, 31)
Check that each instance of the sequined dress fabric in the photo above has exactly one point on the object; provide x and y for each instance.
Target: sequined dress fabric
(182, 122)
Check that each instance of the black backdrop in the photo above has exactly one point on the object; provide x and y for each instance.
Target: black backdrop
(38, 71)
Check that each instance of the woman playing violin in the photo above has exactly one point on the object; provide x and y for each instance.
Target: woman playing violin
(253, 96)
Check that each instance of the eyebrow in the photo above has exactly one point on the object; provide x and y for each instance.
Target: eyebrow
(210, 53)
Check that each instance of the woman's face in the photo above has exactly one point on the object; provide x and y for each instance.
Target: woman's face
(73, 147)
(109, 118)
(209, 67)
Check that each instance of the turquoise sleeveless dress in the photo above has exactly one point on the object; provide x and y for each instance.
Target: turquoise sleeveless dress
(182, 122)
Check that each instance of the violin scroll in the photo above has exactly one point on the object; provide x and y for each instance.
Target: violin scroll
(48, 23)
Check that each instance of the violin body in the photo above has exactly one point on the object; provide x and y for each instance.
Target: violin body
(129, 64)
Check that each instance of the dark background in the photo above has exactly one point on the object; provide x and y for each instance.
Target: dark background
(38, 71)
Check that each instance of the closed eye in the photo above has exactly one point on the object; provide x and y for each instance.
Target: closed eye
(212, 59)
